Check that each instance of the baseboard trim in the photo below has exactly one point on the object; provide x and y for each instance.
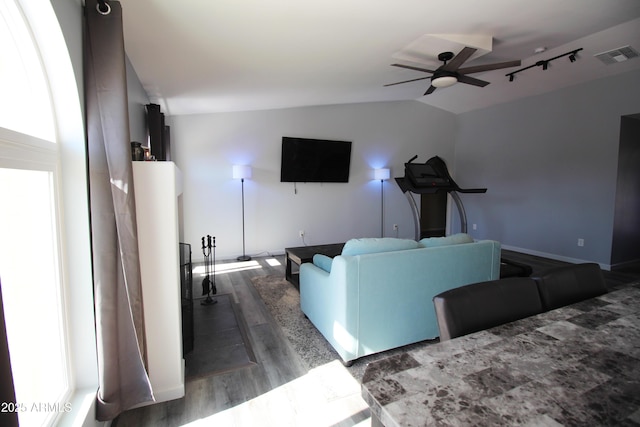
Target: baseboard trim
(554, 256)
(625, 263)
(172, 392)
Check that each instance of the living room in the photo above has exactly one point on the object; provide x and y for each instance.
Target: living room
(550, 161)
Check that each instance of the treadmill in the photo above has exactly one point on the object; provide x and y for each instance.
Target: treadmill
(433, 176)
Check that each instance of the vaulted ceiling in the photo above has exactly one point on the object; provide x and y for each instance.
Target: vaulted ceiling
(196, 56)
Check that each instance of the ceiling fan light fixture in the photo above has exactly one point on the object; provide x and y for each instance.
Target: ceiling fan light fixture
(444, 81)
(450, 73)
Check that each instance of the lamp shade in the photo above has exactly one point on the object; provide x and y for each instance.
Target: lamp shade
(241, 171)
(381, 174)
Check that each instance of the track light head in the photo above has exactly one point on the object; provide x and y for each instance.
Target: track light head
(543, 64)
(511, 77)
(572, 57)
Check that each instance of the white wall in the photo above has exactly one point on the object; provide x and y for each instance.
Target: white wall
(550, 165)
(384, 134)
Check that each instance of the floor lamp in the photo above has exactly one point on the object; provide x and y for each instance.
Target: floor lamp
(381, 174)
(241, 172)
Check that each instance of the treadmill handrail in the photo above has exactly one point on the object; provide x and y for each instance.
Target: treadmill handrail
(406, 185)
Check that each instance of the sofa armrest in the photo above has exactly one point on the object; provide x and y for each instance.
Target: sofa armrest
(330, 304)
(322, 261)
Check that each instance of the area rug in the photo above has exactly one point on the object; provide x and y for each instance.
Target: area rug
(283, 301)
(220, 340)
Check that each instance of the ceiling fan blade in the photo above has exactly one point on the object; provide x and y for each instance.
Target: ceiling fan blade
(425, 70)
(459, 59)
(407, 81)
(488, 67)
(430, 90)
(472, 81)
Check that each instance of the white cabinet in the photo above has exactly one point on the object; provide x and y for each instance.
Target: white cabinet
(157, 186)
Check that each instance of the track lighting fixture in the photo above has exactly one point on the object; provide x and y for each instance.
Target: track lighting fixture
(545, 63)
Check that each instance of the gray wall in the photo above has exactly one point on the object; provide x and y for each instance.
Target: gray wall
(138, 98)
(384, 134)
(550, 164)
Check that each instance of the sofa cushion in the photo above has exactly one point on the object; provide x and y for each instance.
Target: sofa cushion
(372, 245)
(454, 239)
(322, 261)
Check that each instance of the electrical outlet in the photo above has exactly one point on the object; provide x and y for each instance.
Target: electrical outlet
(301, 233)
(580, 242)
(474, 226)
(395, 226)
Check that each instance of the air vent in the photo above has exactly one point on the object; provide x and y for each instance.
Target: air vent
(617, 55)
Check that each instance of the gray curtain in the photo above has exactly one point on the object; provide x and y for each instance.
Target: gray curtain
(116, 272)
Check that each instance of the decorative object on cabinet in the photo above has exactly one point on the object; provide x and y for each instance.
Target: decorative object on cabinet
(159, 133)
(137, 152)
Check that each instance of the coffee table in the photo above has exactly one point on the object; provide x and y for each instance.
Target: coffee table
(299, 255)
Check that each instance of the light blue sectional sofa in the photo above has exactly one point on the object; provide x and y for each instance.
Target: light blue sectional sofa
(377, 295)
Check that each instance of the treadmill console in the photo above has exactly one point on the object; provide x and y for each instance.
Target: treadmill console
(423, 175)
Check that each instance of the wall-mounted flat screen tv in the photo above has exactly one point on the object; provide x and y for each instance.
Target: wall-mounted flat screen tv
(315, 160)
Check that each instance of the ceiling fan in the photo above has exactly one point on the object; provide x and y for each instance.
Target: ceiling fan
(450, 72)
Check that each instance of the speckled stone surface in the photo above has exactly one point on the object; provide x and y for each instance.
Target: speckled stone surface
(577, 365)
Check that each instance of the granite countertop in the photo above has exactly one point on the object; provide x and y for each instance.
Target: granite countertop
(577, 365)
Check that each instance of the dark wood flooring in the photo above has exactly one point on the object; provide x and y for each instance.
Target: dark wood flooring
(277, 364)
(206, 396)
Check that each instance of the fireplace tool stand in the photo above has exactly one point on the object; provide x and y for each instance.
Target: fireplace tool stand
(209, 286)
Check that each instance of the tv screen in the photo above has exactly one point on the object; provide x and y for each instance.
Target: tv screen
(315, 160)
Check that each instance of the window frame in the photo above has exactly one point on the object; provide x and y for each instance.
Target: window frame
(60, 50)
(28, 153)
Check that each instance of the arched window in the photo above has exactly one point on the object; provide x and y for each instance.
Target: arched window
(25, 104)
(40, 138)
